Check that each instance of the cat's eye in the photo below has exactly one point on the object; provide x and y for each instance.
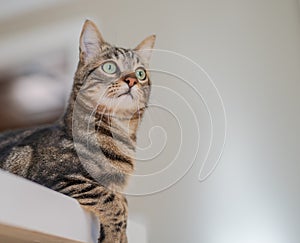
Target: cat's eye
(140, 73)
(109, 67)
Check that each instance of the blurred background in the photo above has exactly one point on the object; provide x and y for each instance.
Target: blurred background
(251, 49)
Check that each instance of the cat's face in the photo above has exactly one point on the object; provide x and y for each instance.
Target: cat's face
(120, 80)
(117, 80)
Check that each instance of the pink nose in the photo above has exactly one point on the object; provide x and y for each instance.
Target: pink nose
(130, 81)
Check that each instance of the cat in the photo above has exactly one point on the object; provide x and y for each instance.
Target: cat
(110, 91)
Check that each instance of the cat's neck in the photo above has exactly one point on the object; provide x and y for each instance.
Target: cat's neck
(125, 127)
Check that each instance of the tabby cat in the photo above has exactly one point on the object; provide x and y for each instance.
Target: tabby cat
(111, 90)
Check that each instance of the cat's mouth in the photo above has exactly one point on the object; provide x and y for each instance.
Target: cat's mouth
(128, 92)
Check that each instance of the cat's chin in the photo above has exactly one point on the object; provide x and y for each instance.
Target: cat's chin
(126, 94)
(127, 98)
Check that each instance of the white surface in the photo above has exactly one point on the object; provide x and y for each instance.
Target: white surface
(32, 207)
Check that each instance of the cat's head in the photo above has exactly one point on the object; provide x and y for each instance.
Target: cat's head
(113, 80)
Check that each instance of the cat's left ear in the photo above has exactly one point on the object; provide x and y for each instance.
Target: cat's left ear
(90, 41)
(145, 48)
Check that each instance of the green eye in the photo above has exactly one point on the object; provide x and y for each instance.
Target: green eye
(140, 74)
(109, 67)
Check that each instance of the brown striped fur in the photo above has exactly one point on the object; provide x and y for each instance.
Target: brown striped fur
(57, 155)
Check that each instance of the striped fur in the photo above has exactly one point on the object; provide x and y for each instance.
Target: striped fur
(58, 157)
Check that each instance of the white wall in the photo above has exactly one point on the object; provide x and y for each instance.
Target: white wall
(251, 50)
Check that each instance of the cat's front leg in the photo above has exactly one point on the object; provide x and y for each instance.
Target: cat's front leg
(124, 237)
(113, 213)
(112, 210)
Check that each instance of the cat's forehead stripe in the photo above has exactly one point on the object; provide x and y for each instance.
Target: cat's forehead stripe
(117, 52)
(122, 51)
(137, 59)
(126, 56)
(126, 53)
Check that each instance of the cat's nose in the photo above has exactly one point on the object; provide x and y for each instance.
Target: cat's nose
(130, 81)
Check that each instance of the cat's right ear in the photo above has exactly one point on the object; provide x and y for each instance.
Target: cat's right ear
(90, 41)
